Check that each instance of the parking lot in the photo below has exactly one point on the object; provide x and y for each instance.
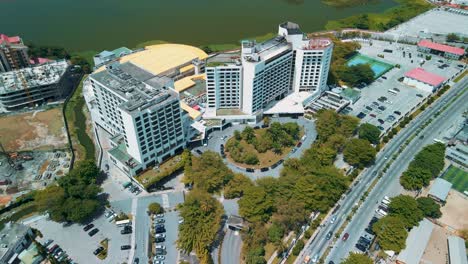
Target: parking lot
(79, 245)
(220, 137)
(384, 108)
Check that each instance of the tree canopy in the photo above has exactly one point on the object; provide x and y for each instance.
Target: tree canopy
(208, 172)
(429, 207)
(329, 123)
(254, 205)
(155, 208)
(202, 217)
(369, 132)
(359, 152)
(406, 207)
(391, 233)
(235, 188)
(426, 165)
(75, 198)
(355, 258)
(356, 74)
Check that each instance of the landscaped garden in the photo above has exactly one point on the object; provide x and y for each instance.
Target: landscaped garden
(262, 147)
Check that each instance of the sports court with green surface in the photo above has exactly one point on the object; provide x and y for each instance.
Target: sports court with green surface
(378, 67)
(458, 177)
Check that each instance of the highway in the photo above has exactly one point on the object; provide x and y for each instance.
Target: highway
(363, 215)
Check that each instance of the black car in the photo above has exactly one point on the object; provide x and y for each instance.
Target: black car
(419, 95)
(264, 169)
(397, 112)
(274, 165)
(361, 115)
(159, 239)
(361, 247)
(369, 108)
(159, 225)
(160, 230)
(329, 235)
(93, 232)
(381, 128)
(136, 261)
(198, 151)
(88, 227)
(249, 170)
(98, 250)
(126, 231)
(380, 121)
(382, 107)
(125, 247)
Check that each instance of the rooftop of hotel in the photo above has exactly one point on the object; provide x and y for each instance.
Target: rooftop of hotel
(292, 28)
(161, 58)
(318, 44)
(43, 74)
(254, 52)
(140, 88)
(424, 76)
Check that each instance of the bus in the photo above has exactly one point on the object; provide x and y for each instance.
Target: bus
(123, 222)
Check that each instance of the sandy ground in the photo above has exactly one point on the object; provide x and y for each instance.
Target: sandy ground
(455, 213)
(35, 130)
(436, 250)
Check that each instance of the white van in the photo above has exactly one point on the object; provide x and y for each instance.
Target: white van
(380, 212)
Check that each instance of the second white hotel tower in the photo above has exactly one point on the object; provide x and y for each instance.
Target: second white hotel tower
(268, 71)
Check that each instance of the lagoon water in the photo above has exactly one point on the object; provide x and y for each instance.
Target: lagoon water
(105, 24)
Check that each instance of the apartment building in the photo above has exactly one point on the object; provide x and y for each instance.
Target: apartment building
(35, 85)
(13, 53)
(268, 72)
(142, 113)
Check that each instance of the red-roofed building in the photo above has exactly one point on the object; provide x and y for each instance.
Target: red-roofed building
(13, 53)
(440, 49)
(424, 80)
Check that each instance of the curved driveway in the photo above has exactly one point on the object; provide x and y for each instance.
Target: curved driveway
(217, 139)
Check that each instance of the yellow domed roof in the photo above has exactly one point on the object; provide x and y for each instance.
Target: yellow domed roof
(163, 57)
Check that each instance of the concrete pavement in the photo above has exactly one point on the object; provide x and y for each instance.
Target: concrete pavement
(232, 245)
(319, 244)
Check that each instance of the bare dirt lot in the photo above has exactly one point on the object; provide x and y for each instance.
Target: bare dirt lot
(436, 250)
(31, 131)
(454, 213)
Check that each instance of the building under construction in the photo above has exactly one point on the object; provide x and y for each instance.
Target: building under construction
(35, 85)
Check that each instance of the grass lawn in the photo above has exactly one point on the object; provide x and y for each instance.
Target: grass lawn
(151, 177)
(34, 130)
(83, 145)
(458, 177)
(461, 76)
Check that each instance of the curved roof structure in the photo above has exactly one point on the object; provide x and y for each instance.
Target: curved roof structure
(163, 57)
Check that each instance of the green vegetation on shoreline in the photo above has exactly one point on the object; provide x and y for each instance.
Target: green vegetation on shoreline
(347, 3)
(82, 143)
(382, 21)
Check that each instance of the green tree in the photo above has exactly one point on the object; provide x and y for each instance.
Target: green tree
(369, 132)
(391, 233)
(406, 207)
(452, 37)
(429, 207)
(298, 247)
(208, 172)
(430, 157)
(254, 205)
(202, 219)
(290, 214)
(51, 200)
(356, 258)
(237, 135)
(266, 121)
(235, 188)
(414, 178)
(275, 233)
(155, 208)
(356, 74)
(359, 152)
(250, 158)
(248, 134)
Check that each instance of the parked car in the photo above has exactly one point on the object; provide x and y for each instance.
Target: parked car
(250, 170)
(380, 121)
(264, 169)
(419, 95)
(382, 108)
(159, 257)
(160, 220)
(373, 115)
(159, 239)
(125, 247)
(159, 215)
(161, 247)
(345, 237)
(369, 108)
(93, 232)
(88, 227)
(199, 152)
(160, 235)
(98, 250)
(381, 128)
(160, 230)
(397, 112)
(361, 115)
(136, 261)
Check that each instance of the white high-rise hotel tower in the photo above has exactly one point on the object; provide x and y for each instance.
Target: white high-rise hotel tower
(269, 71)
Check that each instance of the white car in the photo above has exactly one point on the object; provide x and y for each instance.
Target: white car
(315, 258)
(161, 247)
(160, 235)
(332, 220)
(159, 257)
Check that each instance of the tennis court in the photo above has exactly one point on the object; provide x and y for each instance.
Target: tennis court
(458, 177)
(378, 67)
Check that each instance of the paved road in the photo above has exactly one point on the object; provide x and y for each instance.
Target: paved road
(390, 185)
(231, 250)
(216, 140)
(319, 244)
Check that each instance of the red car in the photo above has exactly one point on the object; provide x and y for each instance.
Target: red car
(373, 115)
(345, 236)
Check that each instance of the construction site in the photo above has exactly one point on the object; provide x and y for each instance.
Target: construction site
(33, 151)
(33, 86)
